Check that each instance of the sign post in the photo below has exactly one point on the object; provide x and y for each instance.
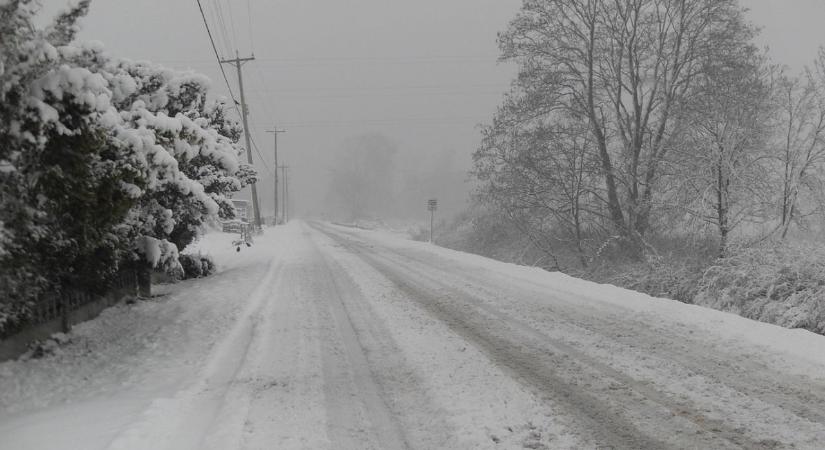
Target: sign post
(432, 205)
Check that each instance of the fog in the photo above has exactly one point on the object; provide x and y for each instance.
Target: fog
(418, 76)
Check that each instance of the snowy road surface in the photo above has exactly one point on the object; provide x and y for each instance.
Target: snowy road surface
(324, 337)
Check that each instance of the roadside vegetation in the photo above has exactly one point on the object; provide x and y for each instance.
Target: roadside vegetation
(653, 145)
(105, 163)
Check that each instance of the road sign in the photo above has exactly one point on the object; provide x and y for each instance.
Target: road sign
(432, 205)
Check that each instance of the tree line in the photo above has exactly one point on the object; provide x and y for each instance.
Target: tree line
(632, 119)
(104, 162)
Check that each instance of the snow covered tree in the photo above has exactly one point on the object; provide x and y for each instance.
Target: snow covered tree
(102, 161)
(800, 145)
(623, 68)
(174, 106)
(66, 185)
(541, 175)
(190, 147)
(723, 172)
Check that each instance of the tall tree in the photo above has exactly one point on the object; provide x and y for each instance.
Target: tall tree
(66, 184)
(723, 158)
(543, 177)
(800, 142)
(623, 67)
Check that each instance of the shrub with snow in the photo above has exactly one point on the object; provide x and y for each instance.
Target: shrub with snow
(781, 283)
(103, 161)
(196, 266)
(67, 184)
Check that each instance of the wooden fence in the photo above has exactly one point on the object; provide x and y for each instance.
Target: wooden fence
(54, 306)
(55, 313)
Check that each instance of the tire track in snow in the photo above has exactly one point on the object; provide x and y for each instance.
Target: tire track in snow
(754, 384)
(347, 374)
(186, 420)
(446, 393)
(551, 366)
(751, 377)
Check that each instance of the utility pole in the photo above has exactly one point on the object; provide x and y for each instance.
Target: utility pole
(237, 62)
(275, 132)
(285, 206)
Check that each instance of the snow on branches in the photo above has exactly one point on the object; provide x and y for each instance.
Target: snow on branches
(102, 160)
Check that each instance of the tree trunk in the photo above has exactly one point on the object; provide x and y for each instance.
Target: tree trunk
(721, 208)
(65, 324)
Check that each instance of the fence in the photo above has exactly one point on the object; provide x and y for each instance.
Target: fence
(56, 306)
(55, 313)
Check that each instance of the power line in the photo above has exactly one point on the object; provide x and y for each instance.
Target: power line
(265, 104)
(231, 21)
(249, 29)
(389, 87)
(361, 59)
(229, 87)
(217, 56)
(263, 161)
(222, 24)
(439, 94)
(387, 121)
(214, 18)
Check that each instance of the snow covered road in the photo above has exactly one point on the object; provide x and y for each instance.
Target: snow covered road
(327, 337)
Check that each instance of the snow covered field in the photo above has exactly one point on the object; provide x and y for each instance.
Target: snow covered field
(322, 336)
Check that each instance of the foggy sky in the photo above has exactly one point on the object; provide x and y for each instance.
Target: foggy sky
(423, 73)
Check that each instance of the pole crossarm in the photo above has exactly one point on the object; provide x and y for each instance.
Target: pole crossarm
(238, 60)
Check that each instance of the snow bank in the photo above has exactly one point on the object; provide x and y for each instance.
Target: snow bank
(107, 375)
(807, 347)
(780, 283)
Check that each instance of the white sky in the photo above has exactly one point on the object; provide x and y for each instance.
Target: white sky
(422, 72)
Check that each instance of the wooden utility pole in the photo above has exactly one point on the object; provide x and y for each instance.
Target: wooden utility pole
(238, 62)
(285, 206)
(275, 132)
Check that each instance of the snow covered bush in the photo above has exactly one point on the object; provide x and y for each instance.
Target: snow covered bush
(196, 266)
(103, 161)
(190, 147)
(780, 283)
(197, 140)
(66, 183)
(672, 277)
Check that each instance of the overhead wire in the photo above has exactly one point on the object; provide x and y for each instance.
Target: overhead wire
(321, 60)
(249, 28)
(217, 56)
(211, 13)
(222, 25)
(265, 104)
(404, 121)
(383, 94)
(231, 21)
(260, 155)
(229, 87)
